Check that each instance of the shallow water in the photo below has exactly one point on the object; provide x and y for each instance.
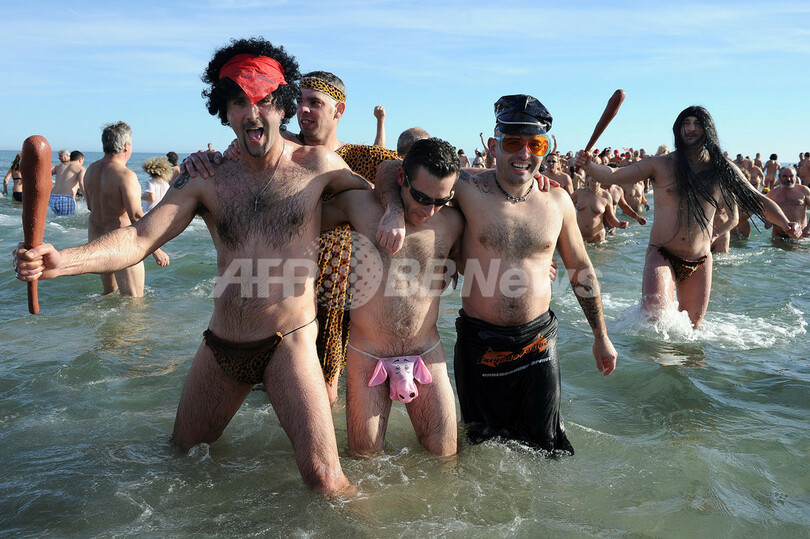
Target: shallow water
(697, 433)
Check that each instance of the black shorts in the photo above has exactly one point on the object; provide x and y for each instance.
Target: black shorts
(508, 381)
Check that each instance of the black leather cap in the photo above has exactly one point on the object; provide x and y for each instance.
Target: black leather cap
(521, 114)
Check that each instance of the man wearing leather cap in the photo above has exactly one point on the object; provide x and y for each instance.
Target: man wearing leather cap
(506, 367)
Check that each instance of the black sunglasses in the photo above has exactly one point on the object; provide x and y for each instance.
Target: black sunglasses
(423, 199)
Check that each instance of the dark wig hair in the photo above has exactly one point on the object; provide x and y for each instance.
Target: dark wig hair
(694, 187)
(436, 155)
(219, 90)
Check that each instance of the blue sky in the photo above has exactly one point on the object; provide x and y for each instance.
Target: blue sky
(70, 67)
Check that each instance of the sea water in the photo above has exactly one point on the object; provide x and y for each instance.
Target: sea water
(696, 434)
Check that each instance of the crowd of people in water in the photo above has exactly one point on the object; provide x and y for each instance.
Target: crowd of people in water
(409, 221)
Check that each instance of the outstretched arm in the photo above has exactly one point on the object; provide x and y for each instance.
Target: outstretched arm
(116, 250)
(584, 283)
(638, 171)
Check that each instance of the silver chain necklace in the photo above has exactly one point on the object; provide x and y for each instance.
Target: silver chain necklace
(257, 195)
(515, 200)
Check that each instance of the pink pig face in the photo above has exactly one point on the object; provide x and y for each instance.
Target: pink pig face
(402, 372)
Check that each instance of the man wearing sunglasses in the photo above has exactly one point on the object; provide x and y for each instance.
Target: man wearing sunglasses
(397, 319)
(506, 367)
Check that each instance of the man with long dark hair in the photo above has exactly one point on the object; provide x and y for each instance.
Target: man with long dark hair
(690, 184)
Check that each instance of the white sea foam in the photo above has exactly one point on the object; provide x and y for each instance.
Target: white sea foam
(721, 329)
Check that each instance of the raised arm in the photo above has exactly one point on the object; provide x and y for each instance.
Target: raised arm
(584, 283)
(379, 113)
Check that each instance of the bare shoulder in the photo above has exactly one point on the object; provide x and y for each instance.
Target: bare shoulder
(317, 158)
(561, 197)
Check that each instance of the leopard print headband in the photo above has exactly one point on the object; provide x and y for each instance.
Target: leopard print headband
(311, 83)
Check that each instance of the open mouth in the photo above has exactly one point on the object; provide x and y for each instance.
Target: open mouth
(520, 166)
(255, 135)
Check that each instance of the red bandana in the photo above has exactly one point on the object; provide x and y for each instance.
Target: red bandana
(258, 76)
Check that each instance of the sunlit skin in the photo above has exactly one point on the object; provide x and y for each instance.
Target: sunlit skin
(318, 116)
(516, 170)
(679, 236)
(794, 199)
(416, 213)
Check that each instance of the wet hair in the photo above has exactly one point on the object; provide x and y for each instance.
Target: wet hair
(437, 156)
(75, 155)
(773, 157)
(115, 136)
(408, 137)
(220, 90)
(172, 157)
(693, 187)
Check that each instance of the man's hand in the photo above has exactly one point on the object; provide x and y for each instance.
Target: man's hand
(623, 224)
(794, 230)
(161, 258)
(201, 163)
(552, 271)
(605, 355)
(583, 158)
(391, 231)
(641, 220)
(38, 263)
(544, 183)
(379, 112)
(233, 152)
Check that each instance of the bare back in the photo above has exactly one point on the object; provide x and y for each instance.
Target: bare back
(66, 180)
(113, 196)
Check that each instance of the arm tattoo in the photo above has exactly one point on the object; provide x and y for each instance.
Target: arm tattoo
(590, 299)
(181, 181)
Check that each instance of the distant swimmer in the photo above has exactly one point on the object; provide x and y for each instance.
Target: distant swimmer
(69, 178)
(634, 196)
(264, 215)
(620, 201)
(794, 199)
(553, 171)
(113, 196)
(407, 301)
(595, 211)
(172, 157)
(160, 174)
(15, 176)
(804, 169)
(771, 171)
(689, 184)
(463, 160)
